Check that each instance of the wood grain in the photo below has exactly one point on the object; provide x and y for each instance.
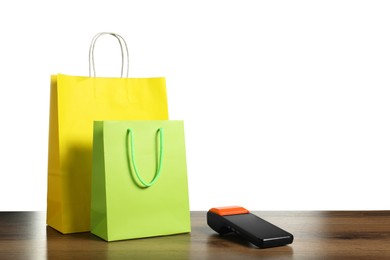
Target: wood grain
(317, 235)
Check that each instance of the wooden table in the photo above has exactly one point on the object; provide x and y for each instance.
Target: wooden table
(317, 235)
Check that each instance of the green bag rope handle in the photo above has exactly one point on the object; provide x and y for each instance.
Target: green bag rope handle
(159, 166)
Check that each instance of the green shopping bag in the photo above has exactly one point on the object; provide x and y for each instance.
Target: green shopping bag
(139, 179)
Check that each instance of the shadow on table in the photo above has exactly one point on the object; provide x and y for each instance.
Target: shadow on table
(88, 246)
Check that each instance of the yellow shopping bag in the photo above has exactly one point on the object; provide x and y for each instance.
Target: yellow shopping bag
(75, 102)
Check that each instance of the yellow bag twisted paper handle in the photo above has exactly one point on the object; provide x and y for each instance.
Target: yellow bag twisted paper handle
(124, 52)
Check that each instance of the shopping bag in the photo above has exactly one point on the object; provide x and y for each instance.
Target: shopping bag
(139, 179)
(75, 102)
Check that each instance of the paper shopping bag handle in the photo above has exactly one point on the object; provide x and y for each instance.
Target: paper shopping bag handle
(130, 142)
(124, 52)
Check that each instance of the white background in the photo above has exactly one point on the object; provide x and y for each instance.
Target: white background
(286, 103)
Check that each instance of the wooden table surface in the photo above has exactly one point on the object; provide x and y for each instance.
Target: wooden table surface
(317, 235)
